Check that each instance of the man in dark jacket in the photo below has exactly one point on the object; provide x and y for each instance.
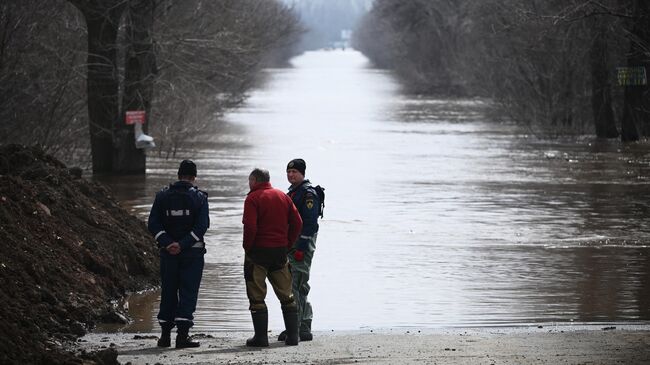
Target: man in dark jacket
(271, 225)
(178, 220)
(307, 201)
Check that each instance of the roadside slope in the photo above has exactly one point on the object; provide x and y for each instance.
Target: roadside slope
(68, 249)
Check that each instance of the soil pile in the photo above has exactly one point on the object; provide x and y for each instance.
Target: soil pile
(68, 250)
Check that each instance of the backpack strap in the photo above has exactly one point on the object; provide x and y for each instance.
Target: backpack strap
(315, 191)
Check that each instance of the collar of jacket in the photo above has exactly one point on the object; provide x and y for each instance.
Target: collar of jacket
(182, 184)
(305, 183)
(261, 186)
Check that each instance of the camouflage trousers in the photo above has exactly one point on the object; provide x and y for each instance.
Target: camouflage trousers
(300, 285)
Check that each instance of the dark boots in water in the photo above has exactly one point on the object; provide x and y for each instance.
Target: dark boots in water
(183, 339)
(260, 324)
(291, 325)
(165, 339)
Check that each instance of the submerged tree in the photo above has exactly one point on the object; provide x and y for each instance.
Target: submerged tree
(636, 115)
(62, 80)
(140, 71)
(601, 86)
(102, 23)
(419, 40)
(545, 64)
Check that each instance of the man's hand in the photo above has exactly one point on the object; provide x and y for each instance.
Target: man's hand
(298, 255)
(174, 248)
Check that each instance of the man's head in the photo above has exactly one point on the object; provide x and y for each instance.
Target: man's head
(187, 171)
(258, 176)
(296, 171)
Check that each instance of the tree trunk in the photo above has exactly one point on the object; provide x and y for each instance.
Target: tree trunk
(636, 112)
(601, 95)
(102, 20)
(139, 74)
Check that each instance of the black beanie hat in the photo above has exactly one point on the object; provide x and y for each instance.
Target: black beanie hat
(298, 164)
(187, 168)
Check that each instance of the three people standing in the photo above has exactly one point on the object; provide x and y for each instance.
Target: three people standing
(279, 240)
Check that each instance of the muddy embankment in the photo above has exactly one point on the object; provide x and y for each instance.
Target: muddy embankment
(68, 251)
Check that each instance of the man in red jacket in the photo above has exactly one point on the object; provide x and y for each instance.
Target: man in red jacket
(271, 226)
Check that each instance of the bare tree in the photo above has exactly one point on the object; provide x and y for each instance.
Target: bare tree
(544, 64)
(419, 40)
(209, 54)
(140, 72)
(102, 24)
(601, 94)
(182, 62)
(636, 115)
(41, 99)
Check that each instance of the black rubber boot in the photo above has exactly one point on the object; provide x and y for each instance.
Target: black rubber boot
(282, 336)
(165, 339)
(291, 325)
(261, 325)
(305, 330)
(183, 339)
(304, 333)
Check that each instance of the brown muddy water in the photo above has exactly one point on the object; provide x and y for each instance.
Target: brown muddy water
(435, 215)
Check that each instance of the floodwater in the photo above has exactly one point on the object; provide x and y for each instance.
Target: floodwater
(435, 214)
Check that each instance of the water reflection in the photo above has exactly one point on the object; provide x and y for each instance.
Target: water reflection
(435, 216)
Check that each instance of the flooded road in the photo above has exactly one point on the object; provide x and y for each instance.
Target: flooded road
(435, 215)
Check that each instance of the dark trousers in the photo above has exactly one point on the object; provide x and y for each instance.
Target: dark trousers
(181, 278)
(271, 263)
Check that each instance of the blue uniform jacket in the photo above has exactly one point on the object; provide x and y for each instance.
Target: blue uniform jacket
(179, 214)
(306, 200)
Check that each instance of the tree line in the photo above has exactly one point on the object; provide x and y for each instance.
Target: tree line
(325, 19)
(554, 66)
(70, 69)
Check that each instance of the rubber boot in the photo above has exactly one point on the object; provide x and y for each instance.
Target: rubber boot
(291, 325)
(304, 333)
(282, 336)
(305, 330)
(261, 325)
(183, 339)
(165, 339)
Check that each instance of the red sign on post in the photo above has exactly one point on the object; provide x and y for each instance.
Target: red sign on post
(135, 116)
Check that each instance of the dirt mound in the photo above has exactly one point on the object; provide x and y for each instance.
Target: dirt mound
(68, 249)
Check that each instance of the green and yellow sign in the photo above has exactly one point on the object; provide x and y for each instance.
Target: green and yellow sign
(631, 76)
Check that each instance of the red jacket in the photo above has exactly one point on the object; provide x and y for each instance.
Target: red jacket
(270, 218)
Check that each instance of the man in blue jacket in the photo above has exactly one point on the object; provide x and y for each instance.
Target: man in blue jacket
(178, 220)
(306, 199)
